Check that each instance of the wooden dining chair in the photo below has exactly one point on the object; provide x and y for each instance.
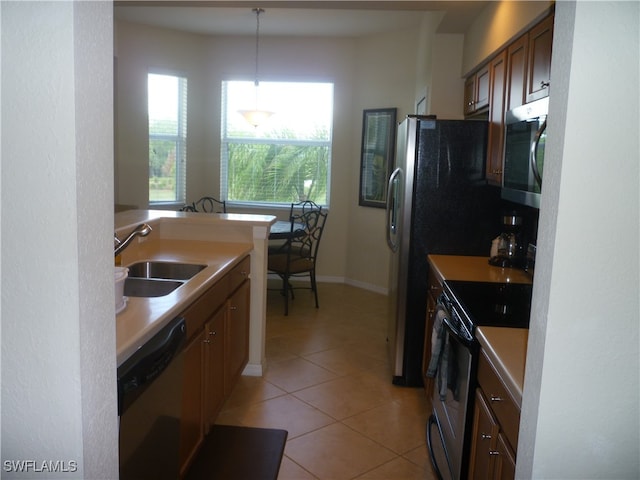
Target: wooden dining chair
(298, 256)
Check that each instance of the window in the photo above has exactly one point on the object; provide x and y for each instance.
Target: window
(167, 104)
(288, 158)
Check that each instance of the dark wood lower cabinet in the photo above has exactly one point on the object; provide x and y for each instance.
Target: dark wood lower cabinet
(495, 428)
(215, 356)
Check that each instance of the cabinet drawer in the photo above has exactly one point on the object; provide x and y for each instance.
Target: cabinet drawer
(501, 403)
(201, 310)
(239, 274)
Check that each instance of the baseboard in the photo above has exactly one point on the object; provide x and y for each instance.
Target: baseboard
(253, 370)
(347, 281)
(367, 286)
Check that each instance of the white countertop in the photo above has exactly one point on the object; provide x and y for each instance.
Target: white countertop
(506, 349)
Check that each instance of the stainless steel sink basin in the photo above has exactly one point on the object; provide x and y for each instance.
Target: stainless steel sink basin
(149, 287)
(164, 270)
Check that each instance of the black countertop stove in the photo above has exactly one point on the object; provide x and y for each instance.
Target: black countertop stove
(489, 304)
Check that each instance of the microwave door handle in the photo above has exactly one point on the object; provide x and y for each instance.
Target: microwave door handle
(392, 210)
(533, 156)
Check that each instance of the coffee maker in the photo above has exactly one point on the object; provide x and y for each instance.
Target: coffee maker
(507, 249)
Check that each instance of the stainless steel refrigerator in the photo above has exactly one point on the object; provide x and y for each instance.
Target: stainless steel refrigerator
(438, 202)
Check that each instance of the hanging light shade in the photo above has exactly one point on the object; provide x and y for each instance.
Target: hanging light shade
(256, 117)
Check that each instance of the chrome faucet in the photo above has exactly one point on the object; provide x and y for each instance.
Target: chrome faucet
(141, 230)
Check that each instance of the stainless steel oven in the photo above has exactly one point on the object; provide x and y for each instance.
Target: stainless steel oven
(462, 307)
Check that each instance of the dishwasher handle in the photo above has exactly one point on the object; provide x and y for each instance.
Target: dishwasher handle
(148, 362)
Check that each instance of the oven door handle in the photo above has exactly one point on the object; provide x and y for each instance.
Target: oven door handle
(463, 337)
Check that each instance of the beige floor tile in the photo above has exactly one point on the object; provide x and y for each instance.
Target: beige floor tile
(296, 374)
(290, 470)
(344, 416)
(336, 452)
(250, 390)
(420, 457)
(347, 396)
(393, 425)
(397, 469)
(346, 360)
(286, 412)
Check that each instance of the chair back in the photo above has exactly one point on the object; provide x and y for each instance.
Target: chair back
(303, 207)
(189, 208)
(306, 242)
(207, 205)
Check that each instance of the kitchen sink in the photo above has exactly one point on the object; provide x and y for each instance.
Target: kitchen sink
(149, 287)
(164, 270)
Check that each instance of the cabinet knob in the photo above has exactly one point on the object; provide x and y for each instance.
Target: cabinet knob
(495, 398)
(484, 436)
(494, 452)
(544, 84)
(233, 307)
(212, 334)
(206, 341)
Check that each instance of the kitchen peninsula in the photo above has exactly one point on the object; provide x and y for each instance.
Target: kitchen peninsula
(219, 241)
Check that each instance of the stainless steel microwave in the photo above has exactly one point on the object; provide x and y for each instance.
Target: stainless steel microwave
(525, 138)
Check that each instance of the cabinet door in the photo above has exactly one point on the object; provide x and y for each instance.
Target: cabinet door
(517, 71)
(214, 367)
(191, 432)
(476, 91)
(237, 335)
(483, 439)
(434, 290)
(498, 77)
(539, 59)
(469, 94)
(505, 461)
(482, 88)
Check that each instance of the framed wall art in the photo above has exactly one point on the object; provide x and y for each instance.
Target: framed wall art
(378, 148)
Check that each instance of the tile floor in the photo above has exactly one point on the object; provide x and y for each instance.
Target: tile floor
(328, 383)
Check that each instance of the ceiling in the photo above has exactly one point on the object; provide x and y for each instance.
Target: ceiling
(297, 18)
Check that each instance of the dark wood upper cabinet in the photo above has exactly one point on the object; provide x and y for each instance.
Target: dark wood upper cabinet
(476, 91)
(497, 91)
(539, 60)
(517, 72)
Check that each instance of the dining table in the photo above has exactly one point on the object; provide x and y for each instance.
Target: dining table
(281, 230)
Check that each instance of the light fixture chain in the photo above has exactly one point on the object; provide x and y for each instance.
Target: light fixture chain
(258, 12)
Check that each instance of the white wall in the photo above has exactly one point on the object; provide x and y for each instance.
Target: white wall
(498, 23)
(581, 415)
(58, 328)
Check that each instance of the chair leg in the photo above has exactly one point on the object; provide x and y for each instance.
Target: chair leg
(285, 282)
(314, 286)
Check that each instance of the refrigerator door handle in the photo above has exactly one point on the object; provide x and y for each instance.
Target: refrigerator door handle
(392, 210)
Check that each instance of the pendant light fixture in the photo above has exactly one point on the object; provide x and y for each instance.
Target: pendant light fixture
(256, 117)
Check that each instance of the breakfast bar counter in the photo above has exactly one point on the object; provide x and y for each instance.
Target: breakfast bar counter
(217, 241)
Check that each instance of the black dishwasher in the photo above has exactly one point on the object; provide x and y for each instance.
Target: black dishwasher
(149, 406)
